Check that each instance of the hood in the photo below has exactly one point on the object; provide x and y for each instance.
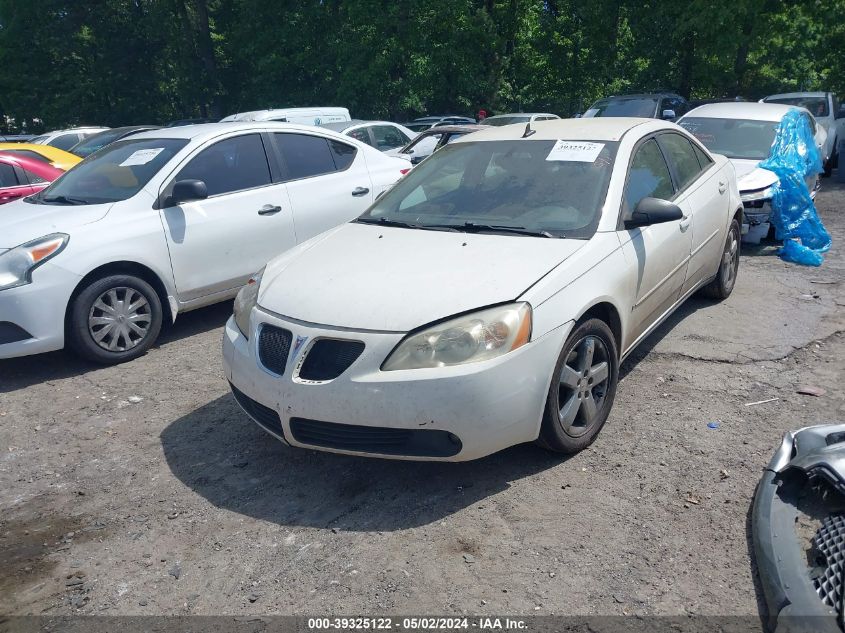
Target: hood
(368, 277)
(750, 177)
(21, 221)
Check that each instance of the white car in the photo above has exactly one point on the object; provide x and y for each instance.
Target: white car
(517, 117)
(303, 116)
(167, 221)
(65, 139)
(828, 112)
(744, 132)
(488, 298)
(383, 135)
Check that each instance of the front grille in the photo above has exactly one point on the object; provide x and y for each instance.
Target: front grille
(265, 416)
(829, 548)
(273, 348)
(329, 358)
(375, 439)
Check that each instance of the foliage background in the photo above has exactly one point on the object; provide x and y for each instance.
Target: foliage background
(116, 62)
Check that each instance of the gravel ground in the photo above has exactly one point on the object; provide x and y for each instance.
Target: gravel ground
(142, 489)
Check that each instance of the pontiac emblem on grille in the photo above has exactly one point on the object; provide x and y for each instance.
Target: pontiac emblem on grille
(300, 340)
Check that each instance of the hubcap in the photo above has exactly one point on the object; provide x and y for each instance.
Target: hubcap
(730, 261)
(583, 385)
(119, 319)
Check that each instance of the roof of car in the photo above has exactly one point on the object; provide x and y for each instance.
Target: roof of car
(753, 111)
(507, 114)
(590, 129)
(787, 95)
(446, 129)
(33, 164)
(341, 126)
(204, 131)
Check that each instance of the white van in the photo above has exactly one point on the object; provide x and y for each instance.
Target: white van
(303, 116)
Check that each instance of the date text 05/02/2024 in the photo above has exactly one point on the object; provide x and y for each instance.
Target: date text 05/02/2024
(416, 623)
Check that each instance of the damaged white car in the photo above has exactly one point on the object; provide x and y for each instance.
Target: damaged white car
(744, 132)
(489, 297)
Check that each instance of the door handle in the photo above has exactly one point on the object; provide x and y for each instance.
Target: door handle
(360, 191)
(722, 187)
(685, 222)
(269, 209)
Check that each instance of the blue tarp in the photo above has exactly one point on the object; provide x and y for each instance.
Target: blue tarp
(795, 156)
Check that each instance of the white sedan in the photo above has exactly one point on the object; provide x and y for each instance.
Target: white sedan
(744, 132)
(489, 297)
(167, 221)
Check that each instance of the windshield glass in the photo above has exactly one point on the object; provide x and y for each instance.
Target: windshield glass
(506, 120)
(95, 142)
(495, 185)
(623, 107)
(816, 105)
(735, 138)
(116, 173)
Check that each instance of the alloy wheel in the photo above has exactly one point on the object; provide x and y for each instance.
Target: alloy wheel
(730, 261)
(583, 383)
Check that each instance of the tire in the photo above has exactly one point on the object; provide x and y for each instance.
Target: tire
(569, 424)
(723, 284)
(119, 341)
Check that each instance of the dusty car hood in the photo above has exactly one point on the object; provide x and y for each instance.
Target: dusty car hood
(393, 279)
(21, 221)
(750, 177)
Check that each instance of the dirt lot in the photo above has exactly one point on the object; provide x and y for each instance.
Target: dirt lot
(143, 489)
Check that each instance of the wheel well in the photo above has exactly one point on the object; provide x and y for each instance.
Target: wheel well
(124, 268)
(738, 216)
(606, 312)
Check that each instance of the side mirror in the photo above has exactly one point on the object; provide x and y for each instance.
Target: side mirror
(653, 211)
(188, 190)
(668, 115)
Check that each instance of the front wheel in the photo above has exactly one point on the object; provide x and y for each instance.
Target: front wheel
(722, 286)
(582, 390)
(114, 319)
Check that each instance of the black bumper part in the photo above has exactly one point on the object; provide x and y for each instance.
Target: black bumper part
(265, 417)
(11, 333)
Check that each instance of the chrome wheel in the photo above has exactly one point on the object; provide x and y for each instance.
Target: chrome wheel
(583, 383)
(730, 261)
(119, 319)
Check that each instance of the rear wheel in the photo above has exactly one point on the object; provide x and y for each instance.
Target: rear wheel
(114, 319)
(723, 284)
(582, 390)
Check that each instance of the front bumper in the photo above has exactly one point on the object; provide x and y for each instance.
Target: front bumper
(485, 406)
(32, 317)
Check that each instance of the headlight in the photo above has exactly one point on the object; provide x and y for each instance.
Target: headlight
(466, 339)
(17, 264)
(754, 196)
(245, 301)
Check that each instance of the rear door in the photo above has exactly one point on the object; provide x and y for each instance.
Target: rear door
(217, 243)
(327, 181)
(702, 194)
(13, 184)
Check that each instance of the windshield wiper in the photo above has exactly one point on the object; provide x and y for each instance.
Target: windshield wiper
(387, 222)
(471, 227)
(64, 200)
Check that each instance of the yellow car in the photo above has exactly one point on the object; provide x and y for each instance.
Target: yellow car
(58, 158)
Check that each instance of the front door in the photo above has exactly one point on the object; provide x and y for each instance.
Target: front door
(217, 243)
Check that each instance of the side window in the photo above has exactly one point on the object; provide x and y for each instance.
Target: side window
(680, 153)
(307, 155)
(703, 159)
(361, 134)
(231, 165)
(7, 176)
(648, 177)
(65, 141)
(388, 137)
(34, 179)
(343, 154)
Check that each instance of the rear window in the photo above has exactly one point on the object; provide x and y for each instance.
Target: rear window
(816, 105)
(623, 107)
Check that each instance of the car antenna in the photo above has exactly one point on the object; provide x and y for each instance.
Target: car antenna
(528, 131)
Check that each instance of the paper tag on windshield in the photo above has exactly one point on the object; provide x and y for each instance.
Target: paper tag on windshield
(142, 156)
(578, 151)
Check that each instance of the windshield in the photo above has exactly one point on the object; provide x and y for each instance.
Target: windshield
(735, 138)
(506, 120)
(529, 186)
(816, 105)
(116, 173)
(623, 107)
(93, 143)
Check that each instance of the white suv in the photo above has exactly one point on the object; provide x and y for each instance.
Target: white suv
(167, 221)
